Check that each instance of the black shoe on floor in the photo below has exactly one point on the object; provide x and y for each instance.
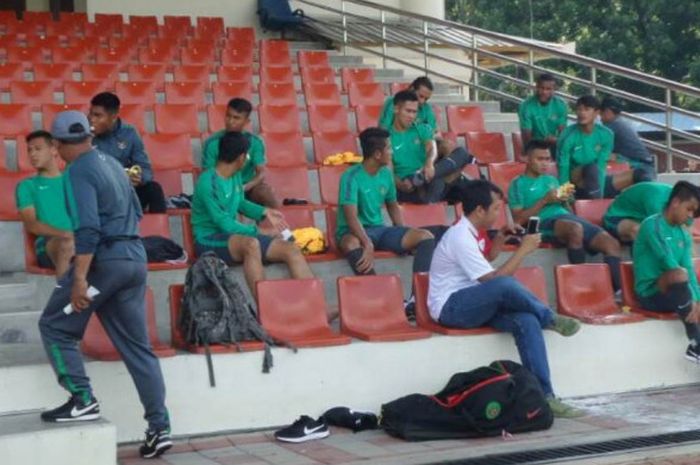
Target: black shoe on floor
(156, 443)
(302, 430)
(693, 354)
(73, 410)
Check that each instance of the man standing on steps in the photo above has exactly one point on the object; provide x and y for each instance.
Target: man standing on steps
(108, 276)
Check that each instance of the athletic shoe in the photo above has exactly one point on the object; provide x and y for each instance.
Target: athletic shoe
(302, 430)
(562, 410)
(418, 179)
(73, 410)
(692, 354)
(565, 326)
(348, 418)
(156, 443)
(409, 307)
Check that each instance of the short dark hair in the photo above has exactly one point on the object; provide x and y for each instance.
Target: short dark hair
(373, 139)
(477, 193)
(240, 105)
(612, 104)
(405, 96)
(545, 77)
(683, 191)
(107, 100)
(535, 144)
(40, 134)
(232, 145)
(588, 101)
(423, 81)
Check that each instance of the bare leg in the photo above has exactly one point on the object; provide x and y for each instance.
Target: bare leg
(627, 230)
(60, 251)
(264, 195)
(289, 253)
(246, 249)
(623, 180)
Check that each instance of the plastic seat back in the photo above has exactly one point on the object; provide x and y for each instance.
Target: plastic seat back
(143, 92)
(147, 72)
(10, 72)
(417, 216)
(367, 116)
(629, 296)
(34, 93)
(328, 118)
(169, 151)
(592, 210)
(370, 93)
(317, 75)
(225, 91)
(518, 148)
(79, 93)
(322, 94)
(15, 119)
(462, 119)
(170, 181)
(235, 73)
(276, 75)
(329, 181)
(8, 184)
(284, 149)
(502, 174)
(74, 55)
(56, 72)
(191, 73)
(185, 92)
(329, 143)
(242, 55)
(279, 118)
(356, 76)
(487, 147)
(289, 182)
(198, 55)
(135, 115)
(313, 59)
(277, 94)
(49, 111)
(177, 118)
(532, 277)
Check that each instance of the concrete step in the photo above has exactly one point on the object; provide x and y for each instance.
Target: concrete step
(25, 439)
(22, 354)
(17, 296)
(19, 327)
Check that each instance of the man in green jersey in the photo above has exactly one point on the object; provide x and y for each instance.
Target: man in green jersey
(632, 206)
(42, 206)
(237, 117)
(583, 151)
(536, 193)
(664, 276)
(419, 176)
(217, 202)
(364, 189)
(543, 115)
(423, 88)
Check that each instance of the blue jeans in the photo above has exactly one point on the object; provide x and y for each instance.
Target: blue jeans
(507, 306)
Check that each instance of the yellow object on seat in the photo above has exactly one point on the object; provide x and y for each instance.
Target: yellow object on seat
(342, 158)
(309, 240)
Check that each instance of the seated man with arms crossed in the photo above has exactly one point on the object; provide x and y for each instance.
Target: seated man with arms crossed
(122, 141)
(42, 206)
(535, 193)
(466, 292)
(218, 199)
(236, 119)
(664, 275)
(364, 188)
(632, 206)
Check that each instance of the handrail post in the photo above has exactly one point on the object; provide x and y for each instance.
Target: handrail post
(669, 135)
(345, 27)
(531, 66)
(594, 80)
(382, 17)
(475, 69)
(425, 46)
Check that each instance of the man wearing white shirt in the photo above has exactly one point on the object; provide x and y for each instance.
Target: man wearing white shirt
(467, 292)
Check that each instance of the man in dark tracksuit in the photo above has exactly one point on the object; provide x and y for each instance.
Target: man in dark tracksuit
(109, 257)
(122, 141)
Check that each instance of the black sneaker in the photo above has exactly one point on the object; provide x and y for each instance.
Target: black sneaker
(73, 410)
(692, 354)
(409, 307)
(302, 430)
(156, 443)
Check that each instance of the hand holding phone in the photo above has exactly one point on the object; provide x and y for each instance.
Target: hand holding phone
(533, 225)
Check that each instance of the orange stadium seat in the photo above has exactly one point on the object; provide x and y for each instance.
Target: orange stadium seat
(143, 92)
(202, 43)
(129, 41)
(473, 172)
(284, 149)
(367, 116)
(108, 20)
(164, 42)
(225, 91)
(397, 87)
(186, 92)
(629, 296)
(147, 23)
(100, 71)
(214, 25)
(50, 110)
(134, 114)
(328, 118)
(235, 73)
(120, 55)
(276, 75)
(8, 183)
(191, 73)
(425, 321)
(242, 55)
(356, 76)
(532, 277)
(172, 21)
(487, 147)
(241, 34)
(15, 119)
(279, 118)
(295, 311)
(10, 72)
(322, 94)
(27, 56)
(96, 343)
(463, 119)
(57, 72)
(371, 308)
(4, 165)
(366, 94)
(148, 72)
(299, 216)
(80, 92)
(277, 94)
(34, 93)
(328, 143)
(317, 75)
(274, 53)
(289, 182)
(151, 55)
(197, 55)
(518, 148)
(418, 216)
(501, 174)
(158, 224)
(76, 54)
(592, 210)
(216, 115)
(329, 182)
(23, 163)
(313, 58)
(170, 181)
(585, 292)
(169, 151)
(43, 42)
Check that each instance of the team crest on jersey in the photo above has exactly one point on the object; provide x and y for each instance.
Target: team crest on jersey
(554, 117)
(121, 145)
(382, 190)
(598, 147)
(416, 141)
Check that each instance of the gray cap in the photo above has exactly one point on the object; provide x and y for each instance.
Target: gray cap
(70, 125)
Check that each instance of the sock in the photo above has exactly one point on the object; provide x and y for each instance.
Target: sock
(641, 175)
(423, 255)
(576, 256)
(353, 257)
(614, 265)
(455, 161)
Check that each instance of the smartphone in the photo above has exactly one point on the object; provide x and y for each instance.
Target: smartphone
(533, 225)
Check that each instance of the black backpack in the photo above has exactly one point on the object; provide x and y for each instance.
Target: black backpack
(488, 401)
(215, 310)
(160, 249)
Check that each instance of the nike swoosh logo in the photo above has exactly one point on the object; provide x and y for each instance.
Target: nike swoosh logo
(152, 441)
(533, 414)
(684, 305)
(312, 430)
(77, 412)
(58, 286)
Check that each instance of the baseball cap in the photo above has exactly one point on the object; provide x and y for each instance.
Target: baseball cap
(70, 125)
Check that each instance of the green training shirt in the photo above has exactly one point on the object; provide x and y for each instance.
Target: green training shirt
(576, 148)
(526, 191)
(542, 120)
(409, 148)
(425, 115)
(639, 201)
(368, 193)
(216, 204)
(210, 154)
(47, 197)
(661, 247)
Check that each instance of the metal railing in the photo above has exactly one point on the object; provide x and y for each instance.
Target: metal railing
(427, 36)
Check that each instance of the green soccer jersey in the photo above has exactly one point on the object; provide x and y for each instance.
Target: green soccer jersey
(409, 148)
(425, 115)
(576, 148)
(216, 204)
(639, 201)
(542, 120)
(47, 197)
(661, 247)
(368, 193)
(210, 154)
(526, 191)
